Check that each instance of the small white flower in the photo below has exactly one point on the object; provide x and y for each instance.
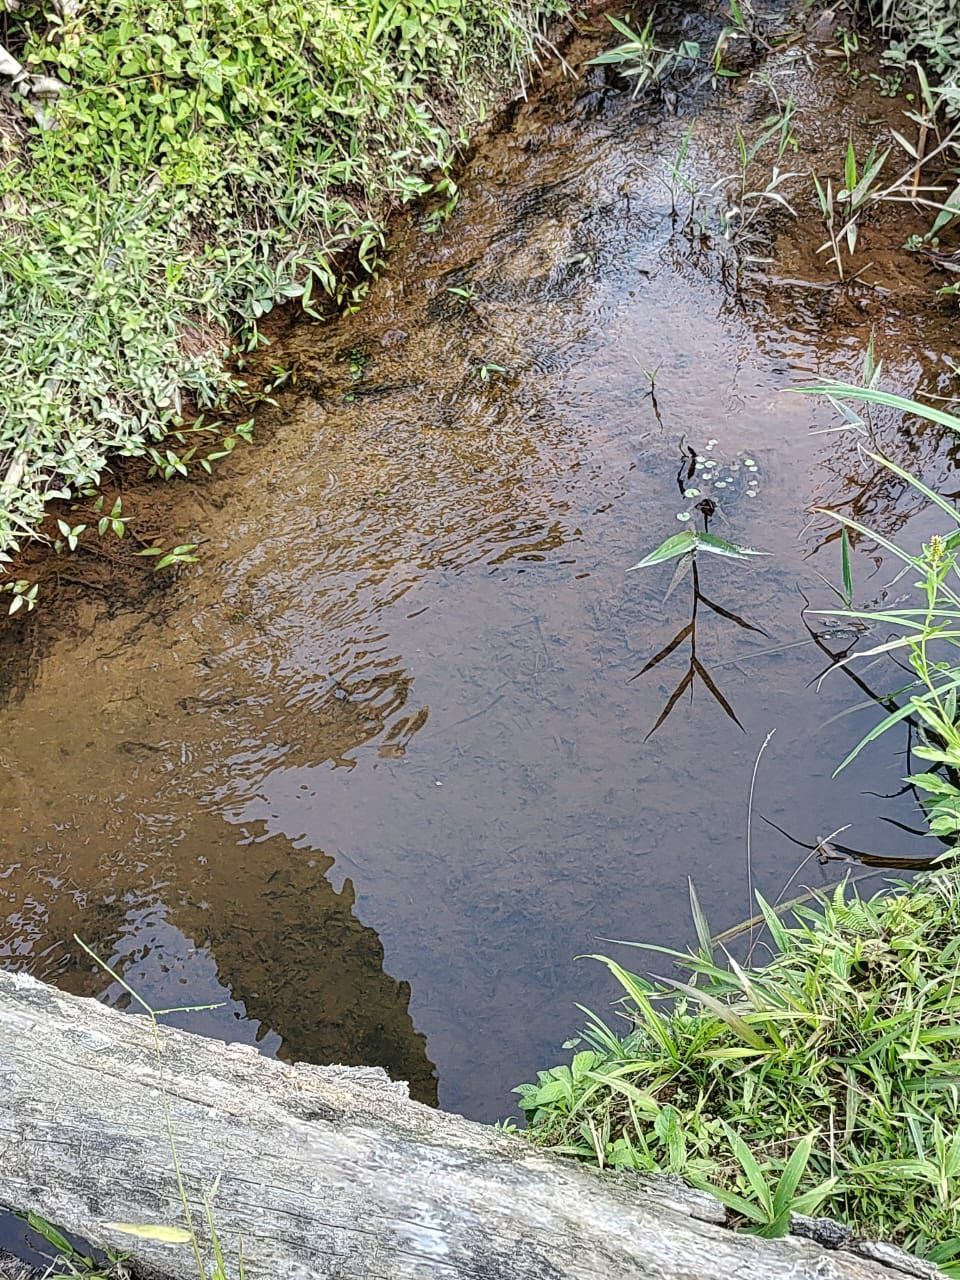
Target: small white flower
(683, 515)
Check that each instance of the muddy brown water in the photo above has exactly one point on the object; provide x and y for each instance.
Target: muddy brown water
(375, 773)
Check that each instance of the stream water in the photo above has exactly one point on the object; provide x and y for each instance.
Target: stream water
(376, 771)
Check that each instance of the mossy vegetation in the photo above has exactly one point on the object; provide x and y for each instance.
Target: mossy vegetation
(201, 162)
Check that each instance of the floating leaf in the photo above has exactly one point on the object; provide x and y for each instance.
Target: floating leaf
(689, 540)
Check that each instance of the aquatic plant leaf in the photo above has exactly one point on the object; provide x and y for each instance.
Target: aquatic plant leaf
(678, 545)
(870, 395)
(721, 547)
(845, 569)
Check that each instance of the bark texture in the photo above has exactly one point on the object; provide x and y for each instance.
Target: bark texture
(328, 1173)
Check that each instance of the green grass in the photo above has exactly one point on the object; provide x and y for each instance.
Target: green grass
(211, 159)
(842, 1047)
(826, 1079)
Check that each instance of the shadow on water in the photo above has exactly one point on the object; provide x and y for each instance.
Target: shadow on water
(375, 771)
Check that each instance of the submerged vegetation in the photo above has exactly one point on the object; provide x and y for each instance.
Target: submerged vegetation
(170, 172)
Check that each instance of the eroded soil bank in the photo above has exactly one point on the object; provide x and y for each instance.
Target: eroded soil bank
(375, 770)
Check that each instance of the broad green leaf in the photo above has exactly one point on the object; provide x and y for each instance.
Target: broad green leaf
(745, 1208)
(810, 1201)
(50, 1234)
(721, 547)
(552, 1091)
(678, 545)
(774, 1229)
(755, 1175)
(723, 1011)
(582, 1062)
(870, 395)
(792, 1175)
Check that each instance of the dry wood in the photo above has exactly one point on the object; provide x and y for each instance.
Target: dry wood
(332, 1173)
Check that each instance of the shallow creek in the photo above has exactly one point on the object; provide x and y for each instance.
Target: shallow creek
(374, 772)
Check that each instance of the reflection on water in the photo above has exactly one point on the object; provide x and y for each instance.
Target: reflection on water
(259, 930)
(376, 772)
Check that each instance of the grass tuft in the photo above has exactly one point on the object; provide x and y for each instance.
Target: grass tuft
(829, 1074)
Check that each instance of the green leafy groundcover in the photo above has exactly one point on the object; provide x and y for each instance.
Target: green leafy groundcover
(923, 30)
(210, 158)
(825, 1081)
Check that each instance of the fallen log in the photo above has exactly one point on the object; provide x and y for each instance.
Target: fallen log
(326, 1173)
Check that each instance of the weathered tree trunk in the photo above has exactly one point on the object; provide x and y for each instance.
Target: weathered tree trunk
(329, 1173)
